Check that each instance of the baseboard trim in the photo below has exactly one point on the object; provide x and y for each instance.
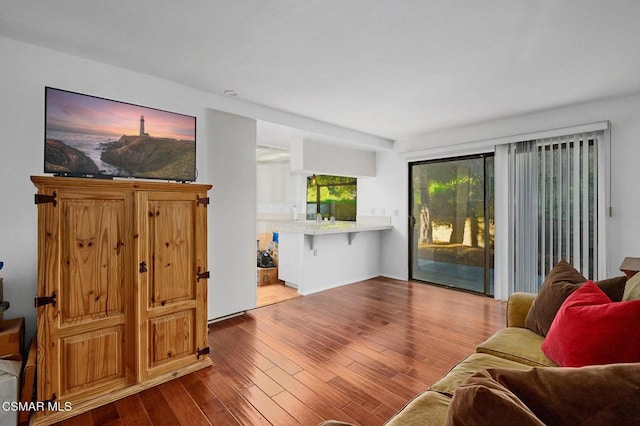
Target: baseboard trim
(226, 317)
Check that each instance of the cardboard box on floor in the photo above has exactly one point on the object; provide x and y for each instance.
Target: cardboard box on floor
(267, 276)
(9, 389)
(11, 338)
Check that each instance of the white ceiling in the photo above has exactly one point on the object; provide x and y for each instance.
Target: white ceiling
(390, 68)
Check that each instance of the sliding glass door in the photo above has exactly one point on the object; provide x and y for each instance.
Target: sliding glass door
(452, 222)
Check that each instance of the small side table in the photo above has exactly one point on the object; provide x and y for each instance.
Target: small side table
(630, 266)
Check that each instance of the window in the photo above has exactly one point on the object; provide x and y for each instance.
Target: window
(555, 207)
(332, 196)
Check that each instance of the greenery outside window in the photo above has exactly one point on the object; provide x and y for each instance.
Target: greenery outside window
(332, 196)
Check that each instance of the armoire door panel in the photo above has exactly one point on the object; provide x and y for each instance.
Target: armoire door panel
(171, 337)
(171, 228)
(92, 359)
(92, 259)
(173, 309)
(88, 245)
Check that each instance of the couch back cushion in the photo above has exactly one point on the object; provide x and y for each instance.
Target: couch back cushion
(561, 282)
(482, 401)
(601, 395)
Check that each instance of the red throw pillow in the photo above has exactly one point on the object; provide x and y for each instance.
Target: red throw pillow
(589, 329)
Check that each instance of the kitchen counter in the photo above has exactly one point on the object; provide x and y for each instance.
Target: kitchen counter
(308, 227)
(318, 256)
(313, 228)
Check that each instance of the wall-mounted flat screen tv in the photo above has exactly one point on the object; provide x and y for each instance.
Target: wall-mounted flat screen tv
(88, 136)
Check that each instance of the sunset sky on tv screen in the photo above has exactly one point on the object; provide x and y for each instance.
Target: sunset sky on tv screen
(75, 113)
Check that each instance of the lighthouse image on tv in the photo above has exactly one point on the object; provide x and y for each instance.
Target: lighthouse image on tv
(90, 136)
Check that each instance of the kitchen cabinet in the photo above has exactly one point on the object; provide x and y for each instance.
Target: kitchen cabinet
(122, 288)
(275, 184)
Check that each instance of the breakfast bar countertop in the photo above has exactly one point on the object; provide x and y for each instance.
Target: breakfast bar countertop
(308, 227)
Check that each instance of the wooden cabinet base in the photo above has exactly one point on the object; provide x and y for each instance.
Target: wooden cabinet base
(43, 418)
(122, 289)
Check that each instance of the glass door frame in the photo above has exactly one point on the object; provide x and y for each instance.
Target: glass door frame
(411, 223)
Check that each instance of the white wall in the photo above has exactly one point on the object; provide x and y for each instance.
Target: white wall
(386, 195)
(623, 234)
(231, 161)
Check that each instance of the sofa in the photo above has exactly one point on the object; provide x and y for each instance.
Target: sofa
(510, 380)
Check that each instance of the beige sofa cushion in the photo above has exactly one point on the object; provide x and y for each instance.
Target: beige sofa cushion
(469, 366)
(518, 307)
(632, 288)
(517, 344)
(427, 409)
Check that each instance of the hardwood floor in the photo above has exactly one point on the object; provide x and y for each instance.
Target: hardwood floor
(275, 293)
(357, 353)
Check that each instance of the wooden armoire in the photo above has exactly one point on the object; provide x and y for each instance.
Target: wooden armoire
(122, 288)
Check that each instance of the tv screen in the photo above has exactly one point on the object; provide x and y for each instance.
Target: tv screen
(88, 136)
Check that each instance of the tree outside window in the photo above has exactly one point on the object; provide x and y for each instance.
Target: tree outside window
(332, 196)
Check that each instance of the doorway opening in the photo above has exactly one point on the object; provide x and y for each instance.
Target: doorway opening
(277, 194)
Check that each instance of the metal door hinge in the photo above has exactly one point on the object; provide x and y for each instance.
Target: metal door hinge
(45, 300)
(143, 267)
(202, 352)
(204, 201)
(44, 198)
(203, 275)
(49, 402)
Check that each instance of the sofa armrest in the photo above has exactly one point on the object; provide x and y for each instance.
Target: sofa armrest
(518, 307)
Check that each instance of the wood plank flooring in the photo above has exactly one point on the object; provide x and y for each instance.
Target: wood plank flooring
(357, 353)
(275, 293)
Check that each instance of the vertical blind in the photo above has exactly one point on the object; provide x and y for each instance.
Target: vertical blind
(554, 191)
